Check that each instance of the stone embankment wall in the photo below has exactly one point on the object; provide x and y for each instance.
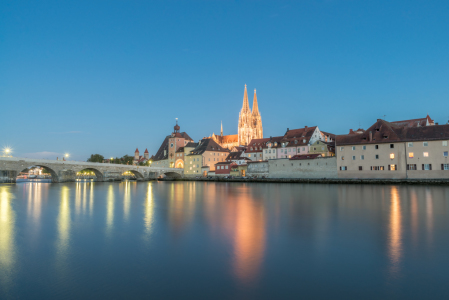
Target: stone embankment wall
(325, 167)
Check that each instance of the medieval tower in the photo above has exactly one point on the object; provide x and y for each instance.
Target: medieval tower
(250, 123)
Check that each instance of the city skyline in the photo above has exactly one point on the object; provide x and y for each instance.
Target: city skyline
(108, 79)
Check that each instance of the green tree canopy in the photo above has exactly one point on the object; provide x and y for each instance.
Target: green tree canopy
(96, 158)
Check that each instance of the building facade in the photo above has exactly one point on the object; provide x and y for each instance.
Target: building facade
(207, 153)
(394, 150)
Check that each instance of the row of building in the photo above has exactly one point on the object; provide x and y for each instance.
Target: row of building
(402, 149)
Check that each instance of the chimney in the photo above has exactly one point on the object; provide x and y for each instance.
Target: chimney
(436, 123)
(305, 127)
(351, 131)
(370, 136)
(288, 129)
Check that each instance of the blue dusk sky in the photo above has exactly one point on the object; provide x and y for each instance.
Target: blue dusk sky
(106, 77)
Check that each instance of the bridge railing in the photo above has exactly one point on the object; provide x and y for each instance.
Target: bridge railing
(82, 163)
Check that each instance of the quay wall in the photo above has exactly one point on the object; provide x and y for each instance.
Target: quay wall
(325, 167)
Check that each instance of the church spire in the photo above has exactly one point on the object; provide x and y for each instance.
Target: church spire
(245, 107)
(221, 131)
(255, 105)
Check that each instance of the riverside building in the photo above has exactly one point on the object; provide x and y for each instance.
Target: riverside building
(396, 150)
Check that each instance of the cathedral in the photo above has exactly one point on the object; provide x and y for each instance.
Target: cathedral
(250, 126)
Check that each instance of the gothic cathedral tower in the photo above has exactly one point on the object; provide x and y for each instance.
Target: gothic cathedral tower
(250, 123)
(256, 119)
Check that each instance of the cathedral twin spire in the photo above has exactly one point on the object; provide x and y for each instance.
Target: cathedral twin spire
(250, 123)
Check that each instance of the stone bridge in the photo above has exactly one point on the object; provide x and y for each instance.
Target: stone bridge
(64, 171)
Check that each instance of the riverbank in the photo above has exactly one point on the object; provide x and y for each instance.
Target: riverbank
(319, 180)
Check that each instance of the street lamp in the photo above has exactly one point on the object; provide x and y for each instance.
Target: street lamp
(111, 160)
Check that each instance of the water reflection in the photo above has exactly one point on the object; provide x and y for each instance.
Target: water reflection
(395, 231)
(34, 191)
(149, 211)
(110, 210)
(249, 239)
(7, 244)
(64, 223)
(127, 200)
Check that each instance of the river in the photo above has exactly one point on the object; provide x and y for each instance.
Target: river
(206, 240)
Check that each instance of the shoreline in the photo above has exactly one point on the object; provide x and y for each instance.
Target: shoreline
(320, 180)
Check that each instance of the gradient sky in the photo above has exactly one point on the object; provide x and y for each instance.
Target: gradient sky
(108, 76)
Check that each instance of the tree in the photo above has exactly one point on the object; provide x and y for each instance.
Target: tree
(45, 170)
(96, 158)
(127, 160)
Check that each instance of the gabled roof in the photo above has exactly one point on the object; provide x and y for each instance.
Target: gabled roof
(160, 153)
(234, 156)
(255, 144)
(207, 145)
(390, 132)
(415, 122)
(191, 145)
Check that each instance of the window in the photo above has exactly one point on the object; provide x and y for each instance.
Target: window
(411, 167)
(410, 144)
(391, 145)
(362, 157)
(197, 166)
(360, 168)
(341, 148)
(425, 154)
(392, 167)
(391, 155)
(425, 144)
(376, 146)
(410, 155)
(226, 167)
(190, 168)
(444, 143)
(249, 155)
(445, 167)
(342, 158)
(363, 147)
(445, 153)
(377, 156)
(427, 166)
(343, 168)
(171, 145)
(353, 147)
(353, 157)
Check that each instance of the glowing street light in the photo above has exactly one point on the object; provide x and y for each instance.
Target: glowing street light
(7, 151)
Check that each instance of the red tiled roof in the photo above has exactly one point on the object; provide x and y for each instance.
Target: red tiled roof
(146, 150)
(388, 132)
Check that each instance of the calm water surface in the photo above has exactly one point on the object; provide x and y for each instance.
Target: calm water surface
(195, 240)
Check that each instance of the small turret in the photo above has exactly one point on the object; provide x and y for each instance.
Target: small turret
(176, 127)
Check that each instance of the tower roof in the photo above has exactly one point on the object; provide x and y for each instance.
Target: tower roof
(146, 150)
(255, 105)
(137, 150)
(245, 107)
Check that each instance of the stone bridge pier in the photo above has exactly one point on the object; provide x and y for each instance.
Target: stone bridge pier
(65, 171)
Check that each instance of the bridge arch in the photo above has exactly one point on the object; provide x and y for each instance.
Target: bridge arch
(98, 173)
(136, 173)
(53, 173)
(171, 174)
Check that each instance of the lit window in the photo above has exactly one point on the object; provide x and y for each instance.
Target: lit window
(353, 147)
(410, 155)
(425, 144)
(362, 157)
(342, 158)
(391, 155)
(426, 154)
(444, 143)
(392, 167)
